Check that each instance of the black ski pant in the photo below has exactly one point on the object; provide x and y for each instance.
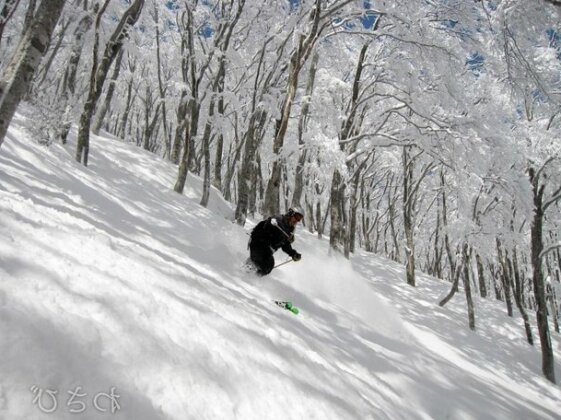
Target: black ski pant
(262, 257)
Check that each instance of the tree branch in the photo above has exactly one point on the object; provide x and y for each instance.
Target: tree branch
(549, 249)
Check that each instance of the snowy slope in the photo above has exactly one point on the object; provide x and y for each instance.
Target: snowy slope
(109, 279)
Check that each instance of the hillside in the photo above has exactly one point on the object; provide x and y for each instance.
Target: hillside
(108, 278)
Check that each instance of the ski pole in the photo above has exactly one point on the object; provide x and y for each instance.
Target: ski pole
(283, 263)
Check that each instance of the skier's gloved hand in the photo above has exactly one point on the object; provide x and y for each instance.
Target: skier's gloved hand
(296, 256)
(291, 238)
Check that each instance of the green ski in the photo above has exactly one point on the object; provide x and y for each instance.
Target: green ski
(288, 306)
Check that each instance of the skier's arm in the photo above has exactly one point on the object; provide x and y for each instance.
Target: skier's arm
(286, 247)
(295, 255)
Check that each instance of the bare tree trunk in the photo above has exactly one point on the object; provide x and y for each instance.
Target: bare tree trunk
(258, 188)
(454, 267)
(454, 288)
(78, 41)
(437, 265)
(248, 169)
(467, 287)
(322, 222)
(6, 14)
(99, 73)
(340, 223)
(338, 213)
(219, 88)
(554, 308)
(299, 176)
(451, 261)
(150, 123)
(353, 216)
(162, 89)
(548, 364)
(193, 109)
(180, 128)
(16, 80)
(391, 220)
(249, 165)
(298, 57)
(481, 276)
(408, 217)
(122, 129)
(272, 197)
(188, 146)
(217, 180)
(518, 289)
(106, 105)
(29, 15)
(233, 158)
(506, 281)
(495, 273)
(44, 71)
(206, 153)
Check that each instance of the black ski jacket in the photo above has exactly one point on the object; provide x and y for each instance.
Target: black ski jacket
(265, 234)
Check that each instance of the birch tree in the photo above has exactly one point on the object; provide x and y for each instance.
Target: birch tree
(15, 81)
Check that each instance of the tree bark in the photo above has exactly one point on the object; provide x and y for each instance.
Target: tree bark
(467, 287)
(298, 57)
(17, 78)
(340, 234)
(122, 129)
(299, 176)
(99, 74)
(481, 276)
(192, 107)
(453, 289)
(249, 165)
(206, 153)
(338, 213)
(161, 88)
(150, 123)
(78, 41)
(518, 289)
(6, 14)
(106, 105)
(505, 277)
(548, 365)
(408, 217)
(44, 71)
(29, 15)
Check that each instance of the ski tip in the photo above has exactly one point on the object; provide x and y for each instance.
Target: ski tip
(288, 306)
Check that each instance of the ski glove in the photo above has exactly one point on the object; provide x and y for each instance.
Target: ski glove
(296, 256)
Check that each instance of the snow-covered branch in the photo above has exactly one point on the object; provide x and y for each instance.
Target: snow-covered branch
(549, 249)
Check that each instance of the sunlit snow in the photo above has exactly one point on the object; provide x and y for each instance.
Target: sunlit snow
(112, 282)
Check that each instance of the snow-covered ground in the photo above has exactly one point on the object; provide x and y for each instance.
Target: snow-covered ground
(110, 282)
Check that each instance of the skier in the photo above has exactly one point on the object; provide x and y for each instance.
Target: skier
(271, 234)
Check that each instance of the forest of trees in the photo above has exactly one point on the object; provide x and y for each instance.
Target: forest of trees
(426, 131)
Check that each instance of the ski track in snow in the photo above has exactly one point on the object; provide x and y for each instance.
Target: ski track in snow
(108, 278)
